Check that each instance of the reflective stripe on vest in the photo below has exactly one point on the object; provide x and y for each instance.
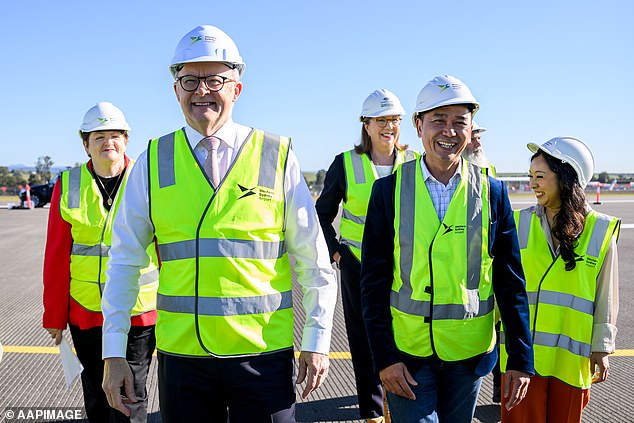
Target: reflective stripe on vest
(225, 282)
(562, 302)
(360, 175)
(81, 205)
(421, 317)
(227, 306)
(222, 248)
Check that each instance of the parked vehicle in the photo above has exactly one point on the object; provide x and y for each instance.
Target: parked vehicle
(40, 194)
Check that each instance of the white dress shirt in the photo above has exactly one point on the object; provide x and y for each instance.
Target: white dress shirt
(133, 232)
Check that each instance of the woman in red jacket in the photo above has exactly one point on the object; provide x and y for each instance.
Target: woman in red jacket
(83, 205)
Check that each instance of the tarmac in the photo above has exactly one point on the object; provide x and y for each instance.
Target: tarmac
(32, 379)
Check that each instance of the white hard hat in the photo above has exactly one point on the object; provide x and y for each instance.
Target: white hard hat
(443, 91)
(381, 103)
(104, 116)
(477, 128)
(206, 43)
(572, 151)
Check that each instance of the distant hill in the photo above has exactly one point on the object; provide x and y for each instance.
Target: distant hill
(25, 168)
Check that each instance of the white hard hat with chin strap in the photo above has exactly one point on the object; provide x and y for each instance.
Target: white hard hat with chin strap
(381, 103)
(443, 91)
(104, 116)
(572, 151)
(206, 43)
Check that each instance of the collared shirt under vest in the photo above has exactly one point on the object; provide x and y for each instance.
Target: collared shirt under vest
(81, 205)
(442, 295)
(562, 302)
(225, 282)
(360, 175)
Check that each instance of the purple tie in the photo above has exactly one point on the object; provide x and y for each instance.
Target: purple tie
(211, 167)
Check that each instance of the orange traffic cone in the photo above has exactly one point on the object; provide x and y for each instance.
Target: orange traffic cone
(598, 200)
(29, 203)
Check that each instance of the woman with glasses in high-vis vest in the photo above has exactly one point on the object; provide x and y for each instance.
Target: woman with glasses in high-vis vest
(569, 256)
(85, 200)
(349, 182)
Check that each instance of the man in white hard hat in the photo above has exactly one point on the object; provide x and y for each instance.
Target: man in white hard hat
(439, 245)
(229, 210)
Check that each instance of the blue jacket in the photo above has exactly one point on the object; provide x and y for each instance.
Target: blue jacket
(508, 282)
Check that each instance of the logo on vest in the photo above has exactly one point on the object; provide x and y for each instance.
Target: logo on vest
(246, 192)
(458, 229)
(590, 261)
(264, 194)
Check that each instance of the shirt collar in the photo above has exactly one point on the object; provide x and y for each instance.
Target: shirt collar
(427, 174)
(226, 134)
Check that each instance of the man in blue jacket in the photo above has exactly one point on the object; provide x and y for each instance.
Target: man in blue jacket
(439, 248)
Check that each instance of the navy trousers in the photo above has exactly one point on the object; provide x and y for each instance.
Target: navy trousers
(238, 390)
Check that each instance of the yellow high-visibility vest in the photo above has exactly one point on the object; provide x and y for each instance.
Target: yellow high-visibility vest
(442, 297)
(81, 205)
(225, 282)
(561, 302)
(360, 176)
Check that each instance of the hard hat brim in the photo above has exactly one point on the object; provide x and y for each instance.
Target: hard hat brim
(232, 65)
(476, 107)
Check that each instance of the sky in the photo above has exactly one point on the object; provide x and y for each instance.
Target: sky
(539, 69)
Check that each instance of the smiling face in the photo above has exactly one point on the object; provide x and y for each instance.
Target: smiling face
(106, 147)
(383, 138)
(445, 132)
(204, 110)
(545, 184)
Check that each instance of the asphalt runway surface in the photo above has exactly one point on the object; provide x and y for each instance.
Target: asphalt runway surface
(31, 375)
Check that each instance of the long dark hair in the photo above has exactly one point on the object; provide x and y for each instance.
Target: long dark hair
(365, 145)
(571, 218)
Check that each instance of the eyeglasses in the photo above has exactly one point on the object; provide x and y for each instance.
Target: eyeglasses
(382, 122)
(213, 82)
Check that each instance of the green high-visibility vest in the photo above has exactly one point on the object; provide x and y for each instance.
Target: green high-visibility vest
(562, 302)
(225, 282)
(81, 205)
(360, 176)
(442, 296)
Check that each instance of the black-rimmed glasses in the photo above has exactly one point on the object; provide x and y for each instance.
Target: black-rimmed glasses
(213, 82)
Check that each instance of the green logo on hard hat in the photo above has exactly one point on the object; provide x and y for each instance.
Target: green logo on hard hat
(195, 40)
(103, 120)
(443, 87)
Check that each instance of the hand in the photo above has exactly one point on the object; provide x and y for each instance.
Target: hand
(600, 360)
(116, 374)
(515, 387)
(56, 334)
(336, 257)
(315, 366)
(397, 379)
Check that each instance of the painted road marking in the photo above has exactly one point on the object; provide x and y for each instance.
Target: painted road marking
(334, 355)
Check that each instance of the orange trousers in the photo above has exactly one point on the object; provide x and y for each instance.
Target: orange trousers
(548, 400)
